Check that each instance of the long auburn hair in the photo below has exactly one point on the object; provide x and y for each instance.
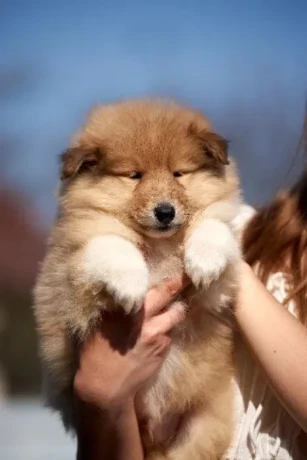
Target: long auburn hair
(276, 239)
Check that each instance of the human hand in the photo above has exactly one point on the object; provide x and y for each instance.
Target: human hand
(108, 376)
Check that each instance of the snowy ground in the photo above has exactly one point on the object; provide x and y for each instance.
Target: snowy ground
(30, 432)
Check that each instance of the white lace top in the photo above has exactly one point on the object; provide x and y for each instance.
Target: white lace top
(263, 428)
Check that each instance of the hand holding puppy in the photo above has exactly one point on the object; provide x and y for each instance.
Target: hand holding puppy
(127, 373)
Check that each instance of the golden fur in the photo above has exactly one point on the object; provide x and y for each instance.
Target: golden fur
(107, 248)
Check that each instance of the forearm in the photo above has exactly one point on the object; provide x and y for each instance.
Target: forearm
(278, 341)
(111, 435)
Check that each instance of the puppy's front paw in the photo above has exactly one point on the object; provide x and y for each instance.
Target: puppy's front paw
(209, 250)
(120, 268)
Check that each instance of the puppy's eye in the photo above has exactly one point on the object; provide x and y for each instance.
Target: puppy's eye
(136, 175)
(177, 174)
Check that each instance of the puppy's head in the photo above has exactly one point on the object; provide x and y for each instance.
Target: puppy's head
(151, 164)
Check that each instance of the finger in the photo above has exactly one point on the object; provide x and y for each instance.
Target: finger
(160, 344)
(162, 295)
(166, 321)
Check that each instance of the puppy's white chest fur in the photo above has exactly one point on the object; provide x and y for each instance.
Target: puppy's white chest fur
(165, 260)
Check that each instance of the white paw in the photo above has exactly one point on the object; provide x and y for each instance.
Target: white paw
(208, 252)
(120, 268)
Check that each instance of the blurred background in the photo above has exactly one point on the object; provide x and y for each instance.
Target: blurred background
(243, 62)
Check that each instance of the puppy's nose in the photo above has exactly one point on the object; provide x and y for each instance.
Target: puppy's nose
(165, 213)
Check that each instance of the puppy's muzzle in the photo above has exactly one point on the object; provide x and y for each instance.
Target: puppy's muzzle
(164, 213)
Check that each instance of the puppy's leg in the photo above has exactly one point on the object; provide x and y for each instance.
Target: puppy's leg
(113, 263)
(209, 250)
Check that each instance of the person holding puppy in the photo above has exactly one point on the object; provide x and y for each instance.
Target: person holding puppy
(271, 374)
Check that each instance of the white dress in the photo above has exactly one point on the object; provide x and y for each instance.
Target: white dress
(263, 428)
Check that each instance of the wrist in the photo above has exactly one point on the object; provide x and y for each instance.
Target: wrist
(110, 409)
(117, 407)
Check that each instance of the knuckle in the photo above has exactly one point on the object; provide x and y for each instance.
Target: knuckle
(164, 342)
(149, 335)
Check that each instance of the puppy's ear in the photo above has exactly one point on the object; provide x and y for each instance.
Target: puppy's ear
(215, 146)
(77, 160)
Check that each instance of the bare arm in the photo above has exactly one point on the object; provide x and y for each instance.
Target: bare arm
(108, 379)
(277, 340)
(108, 433)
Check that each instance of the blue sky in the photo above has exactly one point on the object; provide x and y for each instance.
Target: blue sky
(229, 57)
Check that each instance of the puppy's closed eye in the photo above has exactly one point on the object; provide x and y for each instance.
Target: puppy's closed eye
(136, 175)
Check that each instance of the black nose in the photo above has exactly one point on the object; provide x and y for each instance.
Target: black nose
(165, 213)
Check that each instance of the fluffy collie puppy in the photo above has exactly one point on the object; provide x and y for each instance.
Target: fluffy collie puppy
(147, 192)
